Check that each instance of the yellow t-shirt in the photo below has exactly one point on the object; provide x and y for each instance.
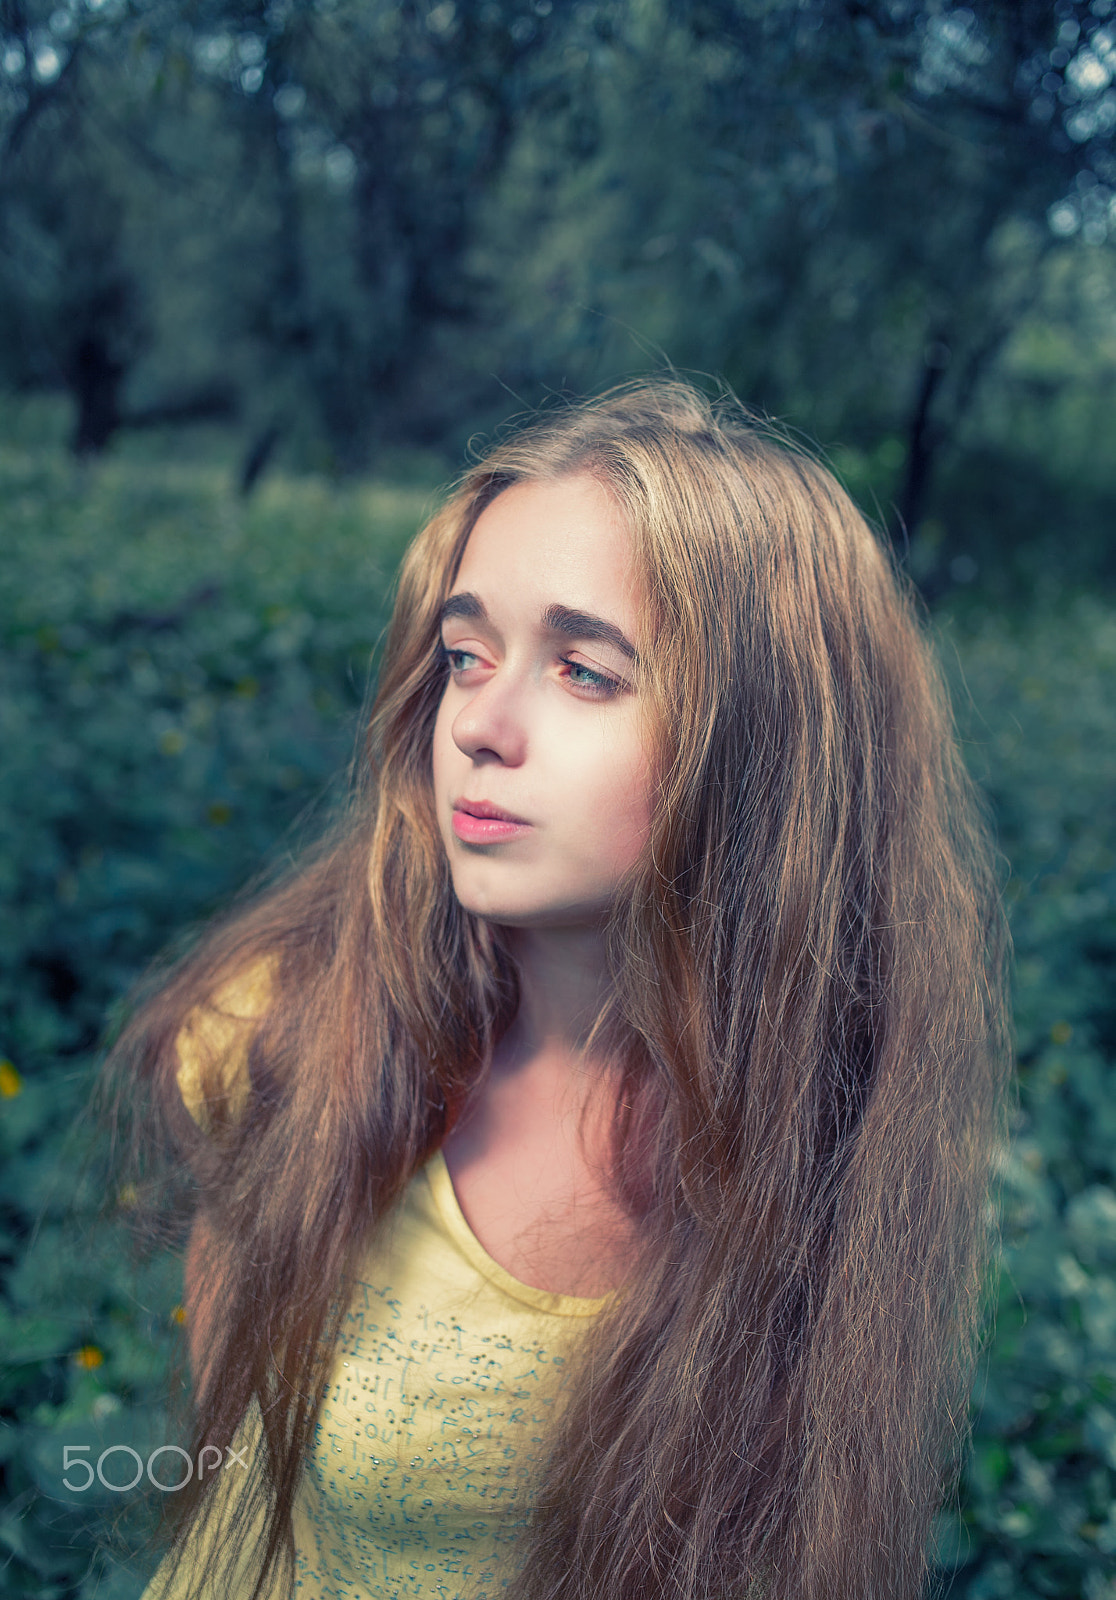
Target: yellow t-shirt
(444, 1388)
(431, 1438)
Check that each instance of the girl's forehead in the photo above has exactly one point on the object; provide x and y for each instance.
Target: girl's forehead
(551, 543)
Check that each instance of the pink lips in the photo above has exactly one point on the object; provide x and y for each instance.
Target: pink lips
(480, 822)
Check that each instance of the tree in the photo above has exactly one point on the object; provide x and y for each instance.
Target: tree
(848, 209)
(370, 219)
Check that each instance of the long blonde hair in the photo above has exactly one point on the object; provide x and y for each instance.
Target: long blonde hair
(808, 1000)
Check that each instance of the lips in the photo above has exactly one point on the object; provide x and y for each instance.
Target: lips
(485, 808)
(481, 822)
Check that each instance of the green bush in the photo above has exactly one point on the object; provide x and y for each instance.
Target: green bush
(1037, 697)
(181, 683)
(182, 678)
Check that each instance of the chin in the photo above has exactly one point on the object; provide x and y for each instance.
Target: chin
(497, 905)
(511, 916)
(535, 916)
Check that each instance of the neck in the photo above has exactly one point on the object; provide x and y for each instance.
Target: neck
(563, 985)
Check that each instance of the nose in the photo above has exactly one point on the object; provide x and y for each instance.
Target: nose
(491, 725)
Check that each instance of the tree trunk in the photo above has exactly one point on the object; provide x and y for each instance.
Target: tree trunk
(923, 439)
(95, 378)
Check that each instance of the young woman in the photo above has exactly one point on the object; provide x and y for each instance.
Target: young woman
(590, 1141)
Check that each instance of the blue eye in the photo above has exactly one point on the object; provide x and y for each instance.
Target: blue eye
(457, 660)
(599, 684)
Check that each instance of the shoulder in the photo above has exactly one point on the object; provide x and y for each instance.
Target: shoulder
(213, 1044)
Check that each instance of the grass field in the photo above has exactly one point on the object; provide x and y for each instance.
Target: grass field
(182, 678)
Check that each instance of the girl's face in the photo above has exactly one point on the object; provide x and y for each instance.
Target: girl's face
(541, 769)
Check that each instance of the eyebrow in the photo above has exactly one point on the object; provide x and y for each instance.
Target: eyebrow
(572, 624)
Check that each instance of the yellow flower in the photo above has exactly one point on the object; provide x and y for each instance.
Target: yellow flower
(10, 1081)
(89, 1357)
(128, 1196)
(178, 1315)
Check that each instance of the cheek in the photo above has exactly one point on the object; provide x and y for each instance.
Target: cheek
(442, 753)
(442, 746)
(623, 813)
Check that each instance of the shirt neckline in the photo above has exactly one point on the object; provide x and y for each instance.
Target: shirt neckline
(449, 1209)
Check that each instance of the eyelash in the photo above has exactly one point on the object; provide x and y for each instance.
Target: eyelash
(448, 653)
(600, 685)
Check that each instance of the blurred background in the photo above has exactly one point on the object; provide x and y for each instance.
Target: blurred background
(265, 272)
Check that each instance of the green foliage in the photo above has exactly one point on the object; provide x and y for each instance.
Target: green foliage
(181, 678)
(1038, 1507)
(359, 222)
